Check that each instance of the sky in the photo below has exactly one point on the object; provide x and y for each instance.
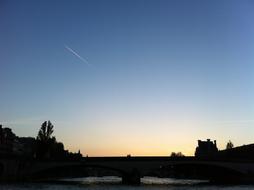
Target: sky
(139, 77)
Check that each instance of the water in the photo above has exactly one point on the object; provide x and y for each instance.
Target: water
(114, 183)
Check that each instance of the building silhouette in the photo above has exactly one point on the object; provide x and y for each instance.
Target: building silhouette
(7, 138)
(206, 148)
(245, 152)
(29, 147)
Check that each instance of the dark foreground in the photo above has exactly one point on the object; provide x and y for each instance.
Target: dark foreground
(114, 183)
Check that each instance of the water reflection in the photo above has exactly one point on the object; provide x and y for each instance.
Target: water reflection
(96, 180)
(114, 183)
(144, 180)
(169, 181)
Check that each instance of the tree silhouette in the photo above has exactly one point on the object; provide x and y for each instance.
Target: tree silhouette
(229, 145)
(45, 141)
(45, 132)
(47, 147)
(177, 154)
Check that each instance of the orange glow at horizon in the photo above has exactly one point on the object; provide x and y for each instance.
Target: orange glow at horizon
(106, 138)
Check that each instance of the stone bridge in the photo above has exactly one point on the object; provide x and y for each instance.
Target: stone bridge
(131, 169)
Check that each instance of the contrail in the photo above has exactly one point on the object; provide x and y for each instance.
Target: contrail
(76, 54)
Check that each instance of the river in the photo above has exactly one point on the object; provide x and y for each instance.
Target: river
(114, 183)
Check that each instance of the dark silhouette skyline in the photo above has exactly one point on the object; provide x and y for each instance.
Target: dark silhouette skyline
(43, 147)
(44, 157)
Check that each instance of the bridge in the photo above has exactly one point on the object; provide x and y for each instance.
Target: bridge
(131, 169)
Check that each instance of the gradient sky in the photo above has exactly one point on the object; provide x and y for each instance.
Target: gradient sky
(139, 77)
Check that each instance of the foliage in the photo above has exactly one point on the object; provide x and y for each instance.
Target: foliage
(229, 145)
(177, 154)
(45, 141)
(49, 148)
(45, 132)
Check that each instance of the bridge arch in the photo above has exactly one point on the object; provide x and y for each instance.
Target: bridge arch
(210, 171)
(82, 170)
(75, 170)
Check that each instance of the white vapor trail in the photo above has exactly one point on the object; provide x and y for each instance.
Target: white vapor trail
(76, 54)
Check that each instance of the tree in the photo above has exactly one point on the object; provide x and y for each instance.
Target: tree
(45, 132)
(48, 147)
(229, 145)
(45, 140)
(178, 154)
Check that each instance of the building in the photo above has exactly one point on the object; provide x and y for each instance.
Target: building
(206, 148)
(7, 138)
(242, 153)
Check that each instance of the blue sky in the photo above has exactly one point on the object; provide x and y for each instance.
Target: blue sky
(155, 77)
